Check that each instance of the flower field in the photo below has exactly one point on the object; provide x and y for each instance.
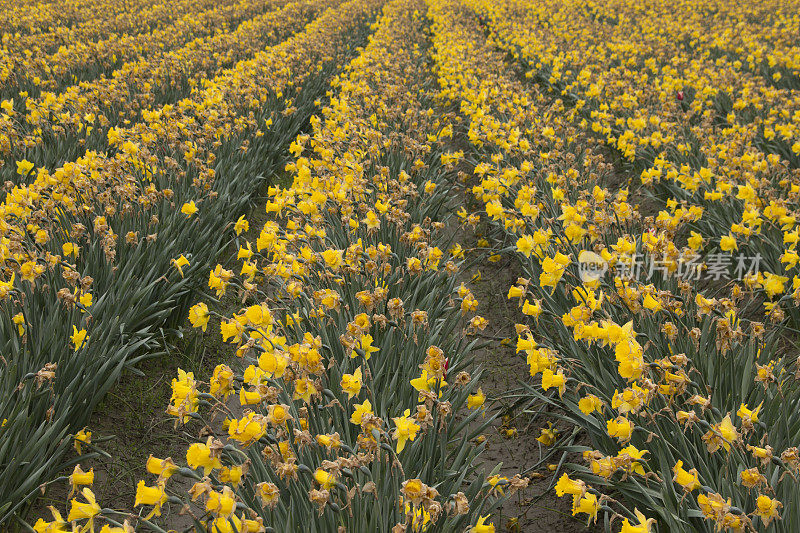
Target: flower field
(332, 190)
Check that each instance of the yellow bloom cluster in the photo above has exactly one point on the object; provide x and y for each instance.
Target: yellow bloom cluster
(99, 253)
(638, 163)
(712, 125)
(140, 85)
(658, 368)
(193, 128)
(353, 400)
(96, 37)
(349, 258)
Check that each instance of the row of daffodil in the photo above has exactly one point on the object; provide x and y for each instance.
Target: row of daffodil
(76, 20)
(100, 257)
(353, 407)
(648, 92)
(42, 28)
(183, 139)
(24, 18)
(55, 128)
(28, 69)
(711, 146)
(651, 88)
(691, 426)
(506, 121)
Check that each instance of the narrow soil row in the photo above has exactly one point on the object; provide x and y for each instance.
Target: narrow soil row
(514, 442)
(524, 432)
(518, 441)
